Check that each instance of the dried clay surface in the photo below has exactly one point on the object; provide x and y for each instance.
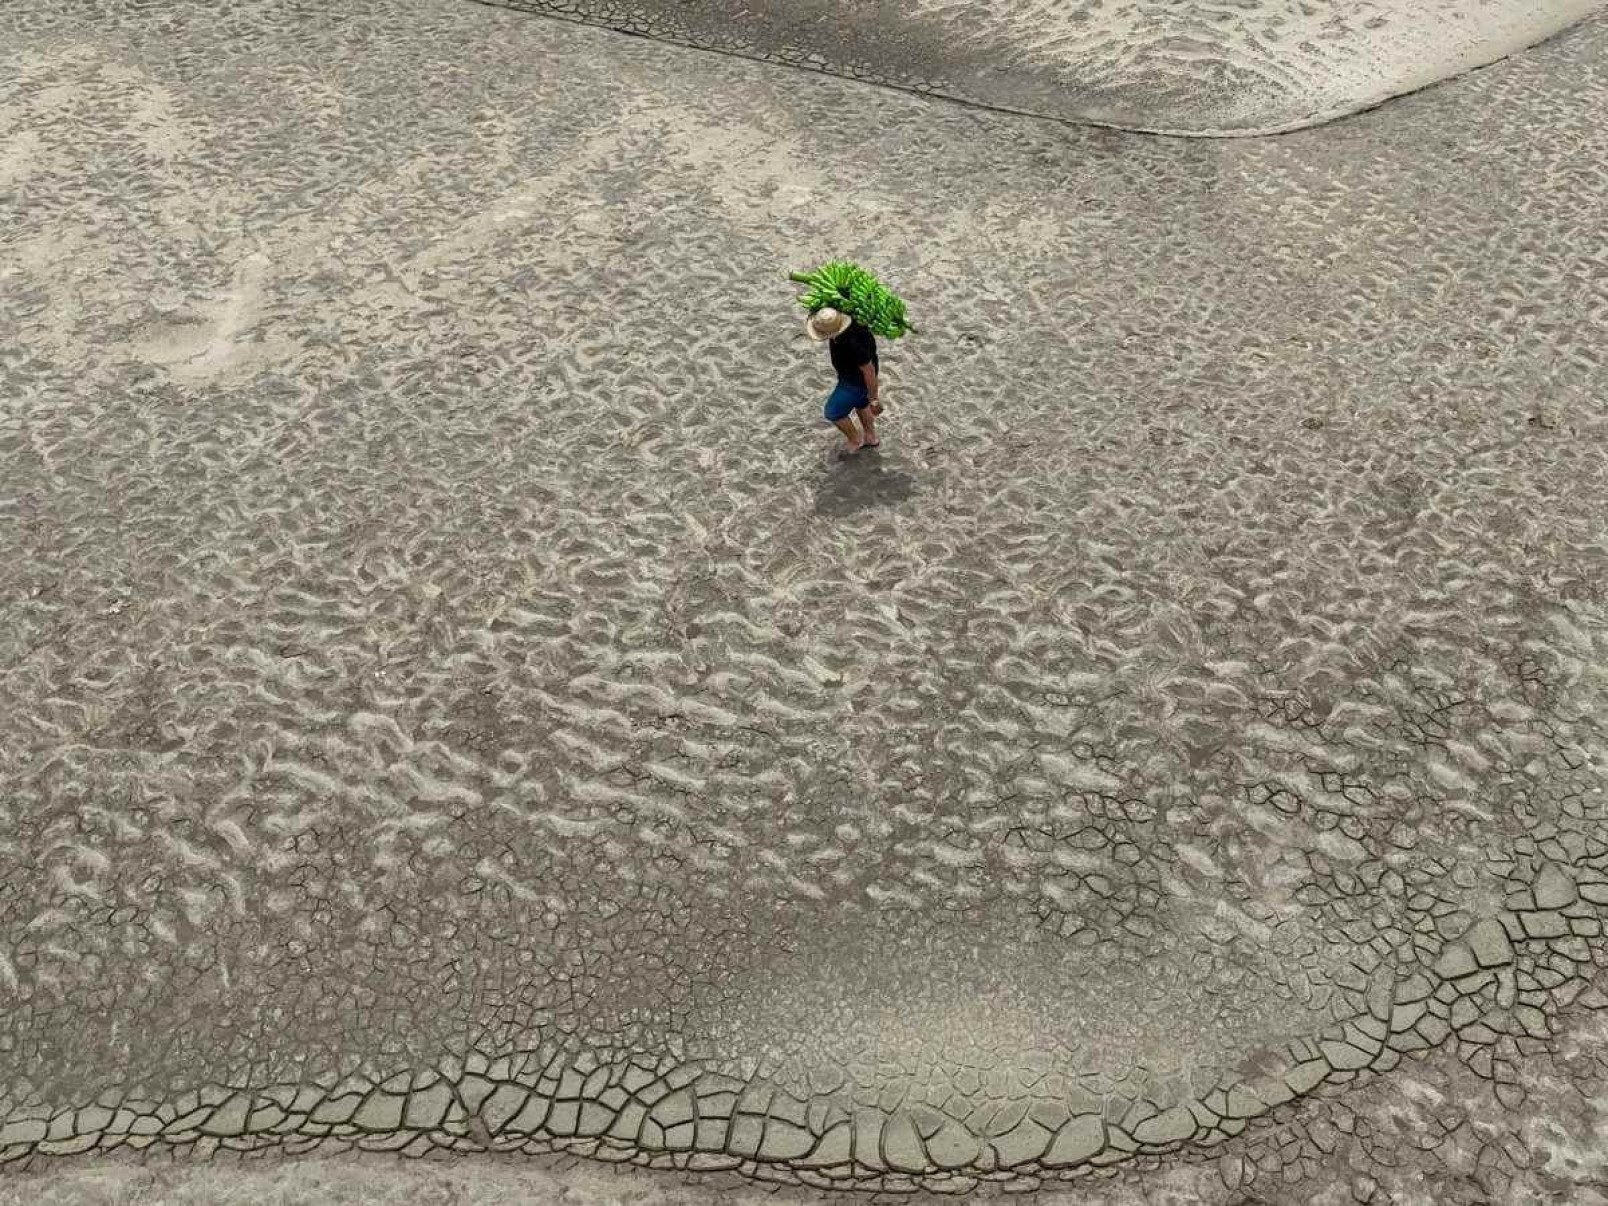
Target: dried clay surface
(1204, 67)
(454, 702)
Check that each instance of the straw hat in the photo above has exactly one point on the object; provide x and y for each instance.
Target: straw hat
(826, 323)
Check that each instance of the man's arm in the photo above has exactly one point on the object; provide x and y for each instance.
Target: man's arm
(869, 372)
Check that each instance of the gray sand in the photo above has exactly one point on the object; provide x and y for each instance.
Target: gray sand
(1219, 67)
(452, 698)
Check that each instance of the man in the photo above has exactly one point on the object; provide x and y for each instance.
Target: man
(854, 355)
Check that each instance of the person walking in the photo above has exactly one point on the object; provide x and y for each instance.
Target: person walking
(853, 349)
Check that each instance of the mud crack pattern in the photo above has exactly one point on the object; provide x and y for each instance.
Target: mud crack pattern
(452, 702)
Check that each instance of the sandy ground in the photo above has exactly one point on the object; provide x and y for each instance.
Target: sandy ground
(1222, 67)
(452, 697)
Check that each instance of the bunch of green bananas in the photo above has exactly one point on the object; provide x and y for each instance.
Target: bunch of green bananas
(852, 290)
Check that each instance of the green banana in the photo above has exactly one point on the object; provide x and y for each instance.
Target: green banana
(852, 290)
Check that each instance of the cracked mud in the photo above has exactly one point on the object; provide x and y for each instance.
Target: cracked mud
(452, 702)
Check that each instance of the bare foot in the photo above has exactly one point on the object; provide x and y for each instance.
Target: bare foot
(853, 446)
(871, 443)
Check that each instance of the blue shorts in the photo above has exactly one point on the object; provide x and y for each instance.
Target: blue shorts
(845, 400)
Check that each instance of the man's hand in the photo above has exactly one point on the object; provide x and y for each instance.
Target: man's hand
(873, 386)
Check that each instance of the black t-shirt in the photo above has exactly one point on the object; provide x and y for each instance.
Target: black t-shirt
(852, 350)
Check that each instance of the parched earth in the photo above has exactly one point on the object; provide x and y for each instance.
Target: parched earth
(454, 701)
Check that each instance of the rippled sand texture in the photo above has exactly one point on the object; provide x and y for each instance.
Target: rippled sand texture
(454, 700)
(1173, 66)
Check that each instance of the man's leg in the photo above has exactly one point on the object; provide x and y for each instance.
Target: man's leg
(869, 422)
(850, 433)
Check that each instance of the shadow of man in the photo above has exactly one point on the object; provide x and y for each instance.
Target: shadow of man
(859, 483)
